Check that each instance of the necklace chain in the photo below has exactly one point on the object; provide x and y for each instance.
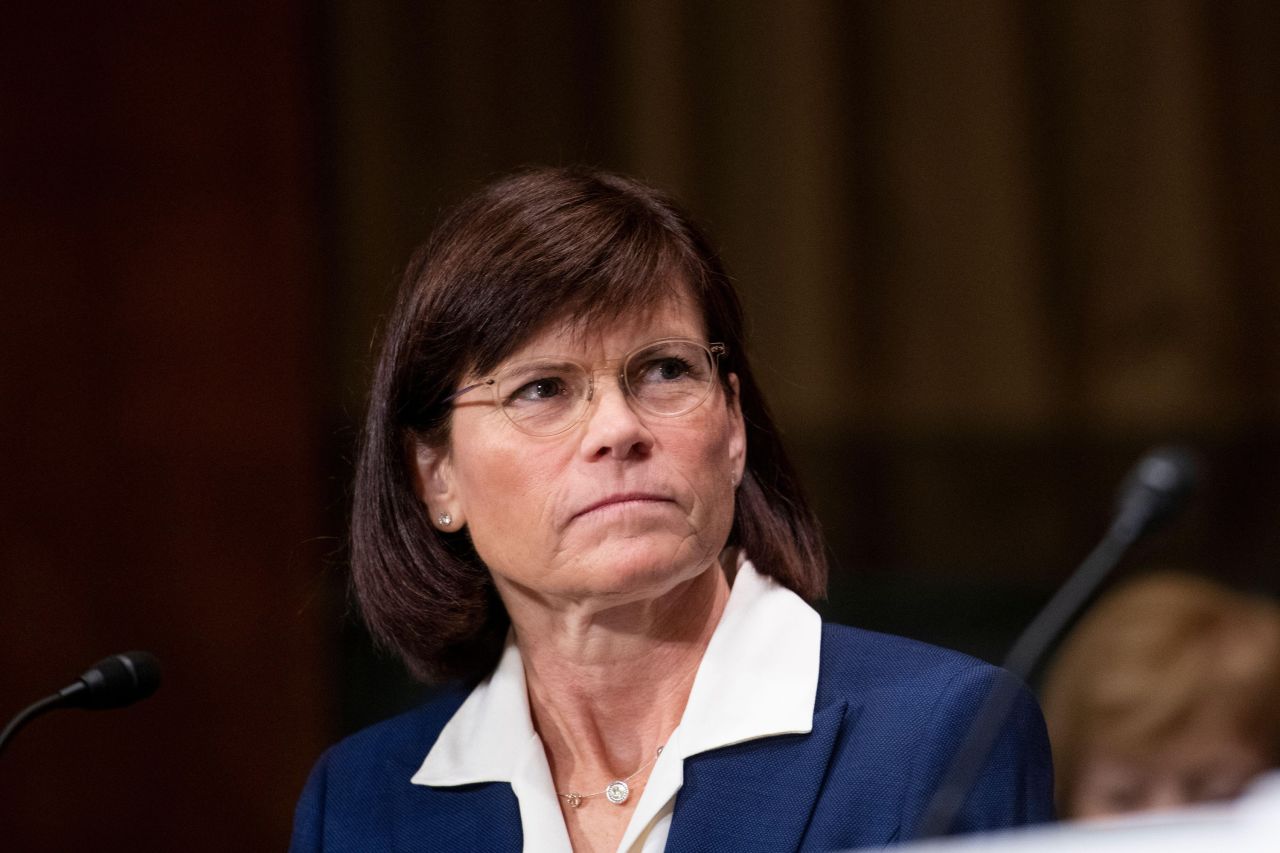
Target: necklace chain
(618, 790)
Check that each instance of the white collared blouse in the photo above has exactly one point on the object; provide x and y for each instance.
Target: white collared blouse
(758, 678)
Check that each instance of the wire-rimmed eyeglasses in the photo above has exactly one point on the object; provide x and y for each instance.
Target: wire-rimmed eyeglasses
(547, 396)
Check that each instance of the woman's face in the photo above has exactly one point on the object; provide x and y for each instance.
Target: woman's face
(623, 506)
(1207, 761)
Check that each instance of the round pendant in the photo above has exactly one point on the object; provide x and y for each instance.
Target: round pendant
(575, 799)
(617, 793)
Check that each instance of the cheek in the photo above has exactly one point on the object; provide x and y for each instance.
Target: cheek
(505, 528)
(699, 455)
(506, 495)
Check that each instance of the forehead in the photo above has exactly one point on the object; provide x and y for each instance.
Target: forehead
(676, 317)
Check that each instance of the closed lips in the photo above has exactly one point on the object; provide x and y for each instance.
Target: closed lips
(613, 500)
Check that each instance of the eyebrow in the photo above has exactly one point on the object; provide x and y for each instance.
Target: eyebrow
(554, 360)
(538, 363)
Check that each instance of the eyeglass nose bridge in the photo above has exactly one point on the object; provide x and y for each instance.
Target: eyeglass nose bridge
(620, 376)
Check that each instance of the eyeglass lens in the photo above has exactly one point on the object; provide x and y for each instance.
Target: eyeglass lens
(548, 396)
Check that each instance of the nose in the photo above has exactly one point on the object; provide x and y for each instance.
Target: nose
(613, 428)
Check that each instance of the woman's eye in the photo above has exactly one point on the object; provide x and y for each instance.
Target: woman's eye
(666, 370)
(547, 388)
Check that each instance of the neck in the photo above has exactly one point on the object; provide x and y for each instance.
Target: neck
(607, 687)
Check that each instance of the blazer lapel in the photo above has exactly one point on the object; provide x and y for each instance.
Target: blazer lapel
(756, 795)
(483, 817)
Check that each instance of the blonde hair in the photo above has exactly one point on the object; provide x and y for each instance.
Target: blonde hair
(1154, 657)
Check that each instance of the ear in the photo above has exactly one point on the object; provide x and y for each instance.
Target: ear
(738, 436)
(434, 483)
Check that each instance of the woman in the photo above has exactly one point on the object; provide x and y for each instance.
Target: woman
(572, 502)
(1164, 696)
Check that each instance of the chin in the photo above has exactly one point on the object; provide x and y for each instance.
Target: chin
(646, 566)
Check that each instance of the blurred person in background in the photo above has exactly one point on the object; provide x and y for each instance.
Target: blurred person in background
(1166, 694)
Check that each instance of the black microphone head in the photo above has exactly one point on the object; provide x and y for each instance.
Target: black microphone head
(118, 681)
(1155, 490)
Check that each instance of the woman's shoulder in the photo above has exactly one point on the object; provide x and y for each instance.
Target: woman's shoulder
(913, 704)
(872, 653)
(403, 739)
(862, 664)
(353, 793)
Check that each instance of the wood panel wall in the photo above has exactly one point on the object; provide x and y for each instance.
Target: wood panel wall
(162, 424)
(990, 250)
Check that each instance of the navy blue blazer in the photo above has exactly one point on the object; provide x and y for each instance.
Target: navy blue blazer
(889, 714)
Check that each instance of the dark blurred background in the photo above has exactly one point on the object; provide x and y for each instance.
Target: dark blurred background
(991, 251)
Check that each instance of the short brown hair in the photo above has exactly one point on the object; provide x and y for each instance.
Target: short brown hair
(538, 247)
(1154, 654)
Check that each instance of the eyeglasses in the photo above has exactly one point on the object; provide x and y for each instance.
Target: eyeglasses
(548, 396)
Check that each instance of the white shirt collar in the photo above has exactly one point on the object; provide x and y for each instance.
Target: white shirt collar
(489, 733)
(759, 675)
(491, 739)
(758, 678)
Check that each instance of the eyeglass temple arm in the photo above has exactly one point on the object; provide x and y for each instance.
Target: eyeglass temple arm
(456, 394)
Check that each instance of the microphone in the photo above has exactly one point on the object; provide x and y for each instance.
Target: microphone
(112, 682)
(1154, 491)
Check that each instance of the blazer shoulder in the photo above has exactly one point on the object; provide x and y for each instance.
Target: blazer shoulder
(403, 739)
(360, 797)
(860, 662)
(913, 704)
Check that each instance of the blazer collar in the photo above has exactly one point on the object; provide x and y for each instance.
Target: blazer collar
(756, 795)
(484, 817)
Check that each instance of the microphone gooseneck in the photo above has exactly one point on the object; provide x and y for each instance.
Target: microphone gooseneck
(112, 682)
(1154, 491)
